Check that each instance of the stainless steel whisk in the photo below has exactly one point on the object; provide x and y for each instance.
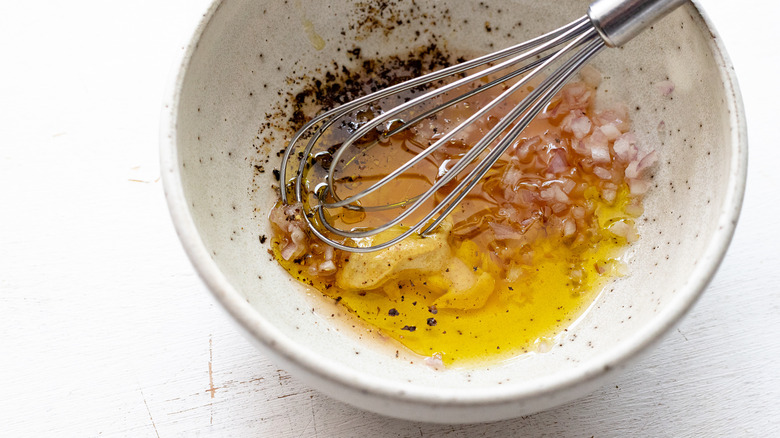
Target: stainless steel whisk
(609, 23)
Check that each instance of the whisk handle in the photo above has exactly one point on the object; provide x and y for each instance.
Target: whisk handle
(617, 21)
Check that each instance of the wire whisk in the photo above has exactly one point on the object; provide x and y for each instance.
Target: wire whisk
(609, 23)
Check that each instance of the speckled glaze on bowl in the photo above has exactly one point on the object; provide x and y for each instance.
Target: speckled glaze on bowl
(231, 75)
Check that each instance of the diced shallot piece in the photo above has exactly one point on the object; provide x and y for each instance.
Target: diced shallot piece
(521, 149)
(289, 220)
(647, 161)
(434, 361)
(327, 267)
(511, 176)
(554, 193)
(503, 231)
(631, 171)
(580, 127)
(622, 229)
(637, 186)
(288, 251)
(625, 147)
(600, 154)
(576, 95)
(609, 194)
(602, 173)
(569, 228)
(328, 255)
(610, 131)
(598, 146)
(297, 244)
(558, 162)
(617, 115)
(634, 209)
(635, 168)
(569, 185)
(577, 123)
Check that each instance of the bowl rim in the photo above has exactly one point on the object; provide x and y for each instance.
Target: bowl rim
(277, 344)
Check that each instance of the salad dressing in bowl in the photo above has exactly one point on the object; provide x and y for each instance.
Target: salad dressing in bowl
(228, 116)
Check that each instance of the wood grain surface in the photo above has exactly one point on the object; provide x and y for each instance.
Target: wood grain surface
(106, 330)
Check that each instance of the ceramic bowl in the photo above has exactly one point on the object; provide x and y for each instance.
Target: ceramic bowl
(218, 155)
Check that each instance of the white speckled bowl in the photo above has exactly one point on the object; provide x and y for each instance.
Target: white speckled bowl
(229, 78)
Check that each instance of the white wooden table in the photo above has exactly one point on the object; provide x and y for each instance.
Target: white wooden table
(105, 329)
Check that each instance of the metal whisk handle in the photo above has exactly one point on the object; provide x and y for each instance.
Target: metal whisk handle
(617, 21)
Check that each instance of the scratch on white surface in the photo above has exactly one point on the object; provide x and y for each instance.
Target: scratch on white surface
(313, 414)
(143, 174)
(290, 421)
(306, 427)
(645, 424)
(193, 408)
(149, 412)
(683, 335)
(292, 394)
(211, 389)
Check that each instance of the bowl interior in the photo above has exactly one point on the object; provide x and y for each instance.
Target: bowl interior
(237, 73)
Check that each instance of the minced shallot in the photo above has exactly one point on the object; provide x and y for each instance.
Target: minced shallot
(541, 183)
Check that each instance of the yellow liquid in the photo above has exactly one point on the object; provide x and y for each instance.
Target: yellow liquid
(537, 289)
(516, 318)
